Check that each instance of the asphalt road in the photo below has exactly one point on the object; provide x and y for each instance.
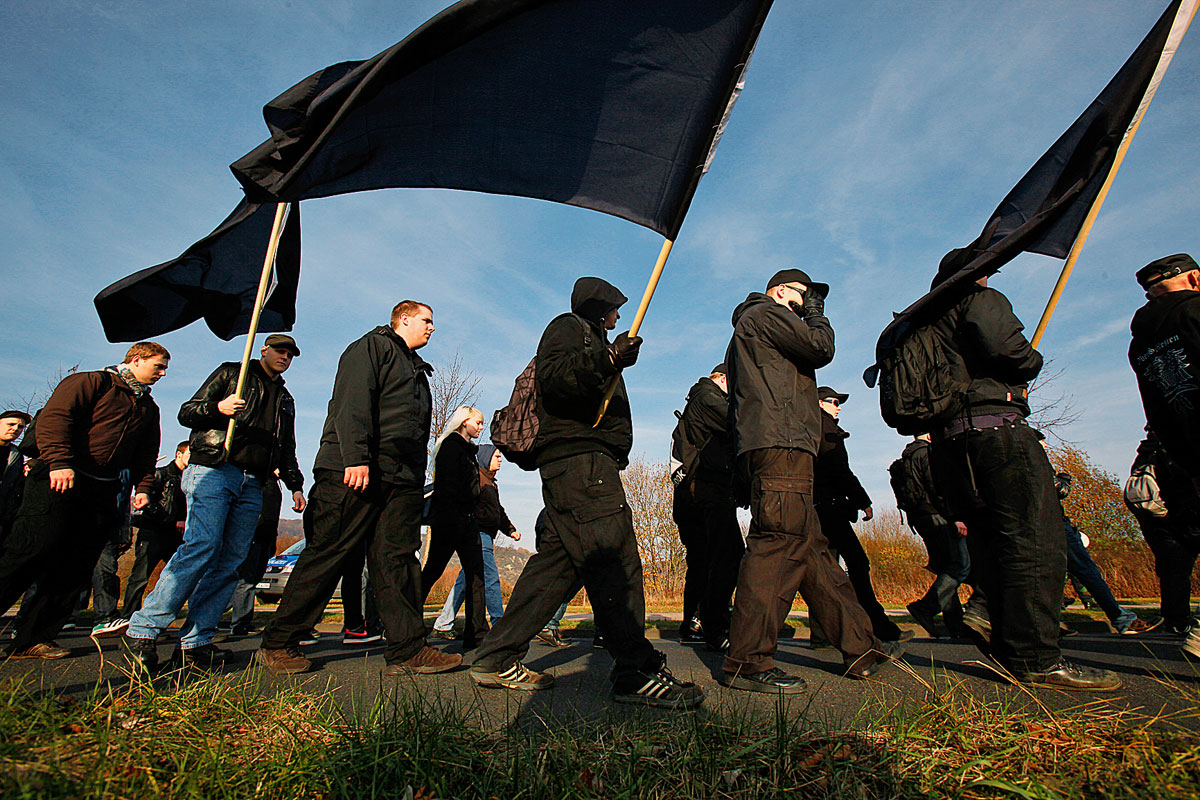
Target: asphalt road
(1157, 679)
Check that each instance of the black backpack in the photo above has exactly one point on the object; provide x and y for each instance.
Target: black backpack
(910, 495)
(922, 381)
(514, 428)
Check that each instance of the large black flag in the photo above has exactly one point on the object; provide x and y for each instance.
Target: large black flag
(1045, 210)
(613, 105)
(216, 280)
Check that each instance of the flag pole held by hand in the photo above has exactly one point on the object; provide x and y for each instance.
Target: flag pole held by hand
(263, 282)
(637, 320)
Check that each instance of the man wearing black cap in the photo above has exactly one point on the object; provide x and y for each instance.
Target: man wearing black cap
(838, 497)
(780, 338)
(588, 531)
(705, 511)
(996, 478)
(224, 497)
(1165, 355)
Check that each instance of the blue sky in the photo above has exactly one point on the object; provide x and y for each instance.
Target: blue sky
(868, 142)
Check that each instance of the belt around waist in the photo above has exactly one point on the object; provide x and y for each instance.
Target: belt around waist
(981, 422)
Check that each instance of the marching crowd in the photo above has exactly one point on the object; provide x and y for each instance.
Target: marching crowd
(975, 484)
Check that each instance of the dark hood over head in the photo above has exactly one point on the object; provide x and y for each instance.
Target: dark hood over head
(592, 298)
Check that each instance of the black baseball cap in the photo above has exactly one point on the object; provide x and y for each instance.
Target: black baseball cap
(17, 415)
(1164, 268)
(826, 392)
(797, 276)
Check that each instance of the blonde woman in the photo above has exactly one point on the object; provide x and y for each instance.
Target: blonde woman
(453, 528)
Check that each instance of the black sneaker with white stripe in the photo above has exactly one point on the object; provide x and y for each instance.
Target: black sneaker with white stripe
(659, 688)
(517, 676)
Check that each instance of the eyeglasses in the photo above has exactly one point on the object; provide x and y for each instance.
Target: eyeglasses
(833, 401)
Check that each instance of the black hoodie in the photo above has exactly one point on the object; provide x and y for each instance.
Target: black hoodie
(772, 359)
(573, 373)
(1165, 356)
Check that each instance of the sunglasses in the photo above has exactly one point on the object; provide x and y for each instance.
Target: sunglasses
(833, 401)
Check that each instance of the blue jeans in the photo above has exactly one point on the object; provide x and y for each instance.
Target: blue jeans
(1084, 569)
(223, 504)
(491, 589)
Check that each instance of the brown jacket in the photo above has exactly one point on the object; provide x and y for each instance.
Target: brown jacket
(93, 423)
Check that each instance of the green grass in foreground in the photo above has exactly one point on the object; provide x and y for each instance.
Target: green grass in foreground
(234, 736)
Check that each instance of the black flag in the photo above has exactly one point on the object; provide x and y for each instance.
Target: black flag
(1044, 212)
(216, 280)
(613, 105)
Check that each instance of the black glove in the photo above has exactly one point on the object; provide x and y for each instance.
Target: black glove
(624, 350)
(814, 304)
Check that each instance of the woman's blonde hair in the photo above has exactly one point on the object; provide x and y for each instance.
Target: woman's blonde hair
(456, 421)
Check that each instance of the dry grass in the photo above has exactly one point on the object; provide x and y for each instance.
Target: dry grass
(236, 736)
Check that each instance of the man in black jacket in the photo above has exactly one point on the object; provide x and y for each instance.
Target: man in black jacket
(838, 497)
(1165, 355)
(998, 480)
(589, 527)
(705, 511)
(224, 498)
(12, 466)
(780, 338)
(159, 528)
(369, 477)
(945, 541)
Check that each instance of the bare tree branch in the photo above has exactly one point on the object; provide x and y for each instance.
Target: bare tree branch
(1051, 412)
(451, 386)
(33, 402)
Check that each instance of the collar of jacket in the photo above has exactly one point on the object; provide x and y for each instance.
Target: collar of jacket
(419, 364)
(120, 383)
(837, 429)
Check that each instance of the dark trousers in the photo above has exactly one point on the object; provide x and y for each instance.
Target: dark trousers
(358, 595)
(588, 534)
(56, 539)
(1001, 479)
(712, 538)
(153, 547)
(1175, 549)
(785, 553)
(949, 560)
(262, 547)
(387, 517)
(843, 541)
(447, 536)
(106, 586)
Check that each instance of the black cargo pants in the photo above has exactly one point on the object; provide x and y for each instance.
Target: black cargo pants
(588, 534)
(785, 553)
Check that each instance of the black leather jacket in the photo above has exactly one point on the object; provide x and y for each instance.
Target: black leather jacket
(265, 437)
(168, 504)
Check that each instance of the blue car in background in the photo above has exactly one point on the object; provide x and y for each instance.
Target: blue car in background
(279, 569)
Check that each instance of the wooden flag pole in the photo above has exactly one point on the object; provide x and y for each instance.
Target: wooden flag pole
(1095, 209)
(637, 319)
(263, 281)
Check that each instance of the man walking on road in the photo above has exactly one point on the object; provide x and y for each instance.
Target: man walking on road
(998, 480)
(779, 340)
(369, 478)
(224, 498)
(94, 425)
(589, 527)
